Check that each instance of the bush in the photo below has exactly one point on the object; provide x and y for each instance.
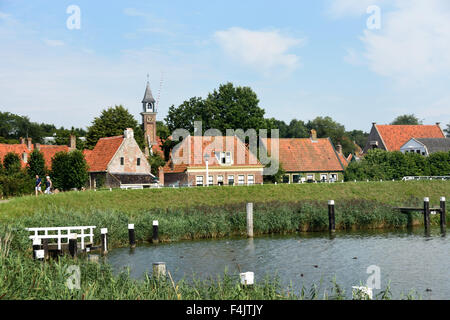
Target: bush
(36, 164)
(16, 185)
(379, 164)
(11, 163)
(69, 170)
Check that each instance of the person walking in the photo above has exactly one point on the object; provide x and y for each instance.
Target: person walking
(48, 185)
(38, 185)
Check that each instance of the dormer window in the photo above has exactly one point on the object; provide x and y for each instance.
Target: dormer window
(223, 157)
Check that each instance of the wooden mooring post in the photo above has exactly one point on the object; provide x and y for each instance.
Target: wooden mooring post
(443, 220)
(132, 235)
(331, 216)
(159, 269)
(36, 247)
(45, 248)
(426, 213)
(155, 237)
(250, 220)
(104, 237)
(73, 245)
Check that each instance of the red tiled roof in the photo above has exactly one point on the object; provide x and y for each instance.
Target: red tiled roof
(18, 149)
(306, 155)
(158, 147)
(99, 158)
(343, 159)
(394, 136)
(241, 156)
(49, 152)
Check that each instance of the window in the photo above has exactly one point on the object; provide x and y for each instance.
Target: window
(210, 180)
(241, 179)
(323, 177)
(138, 161)
(286, 179)
(228, 157)
(230, 180)
(333, 177)
(310, 177)
(223, 157)
(122, 160)
(199, 181)
(250, 179)
(220, 180)
(296, 178)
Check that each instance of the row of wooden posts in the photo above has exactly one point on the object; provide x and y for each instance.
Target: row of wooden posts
(40, 249)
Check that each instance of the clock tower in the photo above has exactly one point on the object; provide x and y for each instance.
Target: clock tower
(149, 118)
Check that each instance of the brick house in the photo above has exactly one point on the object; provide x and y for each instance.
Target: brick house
(309, 159)
(25, 147)
(393, 137)
(118, 162)
(227, 159)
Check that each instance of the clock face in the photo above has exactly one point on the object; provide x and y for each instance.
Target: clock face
(150, 119)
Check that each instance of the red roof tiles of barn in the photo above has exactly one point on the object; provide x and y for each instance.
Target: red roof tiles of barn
(99, 158)
(18, 149)
(306, 155)
(157, 148)
(394, 136)
(241, 155)
(49, 152)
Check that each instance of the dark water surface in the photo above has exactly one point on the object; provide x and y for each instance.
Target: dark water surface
(408, 259)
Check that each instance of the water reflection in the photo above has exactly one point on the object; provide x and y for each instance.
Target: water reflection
(409, 258)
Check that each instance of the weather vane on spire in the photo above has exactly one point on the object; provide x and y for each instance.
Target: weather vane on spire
(147, 77)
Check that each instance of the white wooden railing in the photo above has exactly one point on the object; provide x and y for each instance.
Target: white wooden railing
(63, 233)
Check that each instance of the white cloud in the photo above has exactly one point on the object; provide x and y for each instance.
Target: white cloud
(413, 43)
(263, 50)
(53, 43)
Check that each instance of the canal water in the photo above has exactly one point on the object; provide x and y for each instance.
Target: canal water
(406, 259)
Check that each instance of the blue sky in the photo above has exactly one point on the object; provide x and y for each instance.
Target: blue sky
(302, 58)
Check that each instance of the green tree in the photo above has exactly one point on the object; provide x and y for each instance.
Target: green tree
(228, 107)
(36, 164)
(447, 131)
(69, 170)
(78, 173)
(409, 119)
(156, 161)
(359, 137)
(439, 163)
(11, 163)
(61, 171)
(326, 127)
(297, 129)
(277, 177)
(112, 122)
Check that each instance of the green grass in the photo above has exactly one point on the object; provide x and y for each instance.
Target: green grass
(220, 212)
(137, 201)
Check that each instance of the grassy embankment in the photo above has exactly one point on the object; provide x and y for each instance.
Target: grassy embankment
(185, 214)
(190, 213)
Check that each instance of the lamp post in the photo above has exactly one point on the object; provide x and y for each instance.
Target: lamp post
(207, 172)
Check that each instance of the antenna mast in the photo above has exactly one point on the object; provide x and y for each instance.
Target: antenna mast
(159, 91)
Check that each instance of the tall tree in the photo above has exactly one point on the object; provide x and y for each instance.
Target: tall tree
(112, 122)
(36, 164)
(228, 107)
(410, 119)
(326, 127)
(69, 170)
(11, 163)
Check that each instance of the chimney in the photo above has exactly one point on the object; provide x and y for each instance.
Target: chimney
(161, 176)
(313, 135)
(22, 140)
(29, 144)
(438, 124)
(38, 146)
(73, 142)
(25, 157)
(339, 148)
(128, 133)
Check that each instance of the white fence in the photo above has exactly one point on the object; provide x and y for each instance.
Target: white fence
(63, 233)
